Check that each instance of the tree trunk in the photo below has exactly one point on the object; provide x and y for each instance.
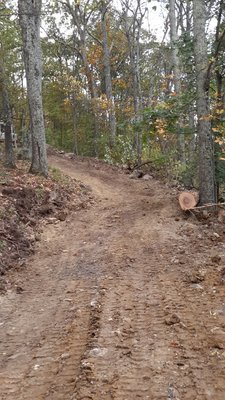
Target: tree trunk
(29, 16)
(80, 18)
(206, 146)
(133, 29)
(75, 138)
(135, 58)
(91, 88)
(7, 118)
(177, 75)
(108, 79)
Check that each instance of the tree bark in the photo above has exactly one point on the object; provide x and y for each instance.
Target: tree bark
(75, 138)
(7, 118)
(133, 26)
(91, 86)
(177, 75)
(207, 185)
(80, 17)
(30, 18)
(108, 78)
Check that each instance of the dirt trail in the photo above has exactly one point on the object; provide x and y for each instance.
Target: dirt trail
(106, 311)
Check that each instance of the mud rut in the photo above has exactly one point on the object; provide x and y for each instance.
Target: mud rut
(91, 322)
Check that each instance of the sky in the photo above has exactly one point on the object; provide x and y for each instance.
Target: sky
(156, 18)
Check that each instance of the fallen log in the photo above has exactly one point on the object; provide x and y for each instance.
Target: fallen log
(188, 200)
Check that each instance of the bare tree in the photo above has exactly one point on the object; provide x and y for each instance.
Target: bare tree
(81, 15)
(30, 18)
(176, 73)
(107, 70)
(205, 138)
(133, 15)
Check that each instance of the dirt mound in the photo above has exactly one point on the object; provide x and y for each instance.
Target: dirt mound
(27, 202)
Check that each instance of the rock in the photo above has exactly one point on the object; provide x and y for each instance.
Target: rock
(53, 195)
(196, 277)
(216, 235)
(64, 356)
(52, 220)
(32, 237)
(136, 174)
(8, 191)
(19, 289)
(37, 237)
(222, 275)
(70, 155)
(205, 214)
(126, 167)
(217, 338)
(216, 258)
(147, 177)
(221, 215)
(45, 209)
(62, 215)
(172, 320)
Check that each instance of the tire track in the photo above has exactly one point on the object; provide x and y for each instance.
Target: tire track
(94, 321)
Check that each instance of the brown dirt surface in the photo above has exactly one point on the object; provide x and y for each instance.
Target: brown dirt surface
(124, 300)
(28, 202)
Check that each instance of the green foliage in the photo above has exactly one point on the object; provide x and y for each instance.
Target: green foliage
(75, 120)
(123, 151)
(59, 177)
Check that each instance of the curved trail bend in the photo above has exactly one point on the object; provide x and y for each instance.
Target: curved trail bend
(106, 313)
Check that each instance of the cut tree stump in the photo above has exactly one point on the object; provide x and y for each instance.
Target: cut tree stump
(188, 200)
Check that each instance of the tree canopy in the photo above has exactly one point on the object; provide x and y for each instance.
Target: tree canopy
(113, 89)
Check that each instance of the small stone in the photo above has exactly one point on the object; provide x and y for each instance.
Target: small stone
(136, 174)
(205, 214)
(216, 258)
(32, 238)
(216, 235)
(64, 356)
(19, 289)
(217, 338)
(196, 277)
(62, 216)
(147, 177)
(52, 220)
(37, 237)
(172, 320)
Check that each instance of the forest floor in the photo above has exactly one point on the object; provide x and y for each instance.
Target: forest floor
(123, 300)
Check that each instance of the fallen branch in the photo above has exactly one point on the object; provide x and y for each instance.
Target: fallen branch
(208, 205)
(141, 165)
